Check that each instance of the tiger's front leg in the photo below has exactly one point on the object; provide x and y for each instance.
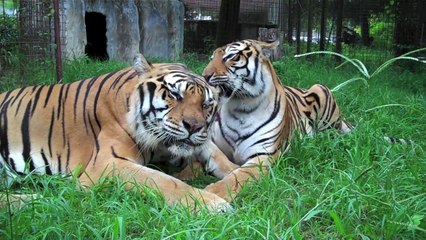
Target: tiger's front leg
(231, 185)
(214, 161)
(117, 156)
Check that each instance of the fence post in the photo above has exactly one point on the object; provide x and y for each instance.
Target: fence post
(322, 28)
(339, 27)
(58, 54)
(227, 27)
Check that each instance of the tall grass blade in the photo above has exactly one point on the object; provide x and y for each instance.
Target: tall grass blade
(360, 67)
(338, 222)
(119, 231)
(390, 61)
(386, 105)
(343, 84)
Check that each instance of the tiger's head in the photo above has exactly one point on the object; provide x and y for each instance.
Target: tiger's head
(236, 67)
(174, 108)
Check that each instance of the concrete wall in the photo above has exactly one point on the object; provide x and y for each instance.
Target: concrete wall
(152, 27)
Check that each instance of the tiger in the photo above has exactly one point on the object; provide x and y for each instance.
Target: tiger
(114, 125)
(259, 116)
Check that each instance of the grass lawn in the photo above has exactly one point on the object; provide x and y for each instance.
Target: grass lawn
(354, 186)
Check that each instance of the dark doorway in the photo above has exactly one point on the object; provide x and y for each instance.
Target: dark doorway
(96, 47)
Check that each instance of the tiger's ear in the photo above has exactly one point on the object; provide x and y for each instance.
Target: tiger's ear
(269, 48)
(140, 64)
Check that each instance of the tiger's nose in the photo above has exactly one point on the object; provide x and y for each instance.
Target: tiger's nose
(192, 125)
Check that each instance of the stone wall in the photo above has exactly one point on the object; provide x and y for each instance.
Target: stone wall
(152, 27)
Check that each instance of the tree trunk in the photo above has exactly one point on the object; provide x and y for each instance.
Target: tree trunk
(322, 27)
(227, 27)
(290, 22)
(298, 26)
(365, 29)
(339, 26)
(310, 16)
(408, 26)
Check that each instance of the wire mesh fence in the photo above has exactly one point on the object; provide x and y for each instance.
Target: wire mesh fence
(26, 35)
(366, 28)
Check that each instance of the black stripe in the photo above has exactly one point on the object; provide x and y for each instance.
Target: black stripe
(86, 96)
(5, 99)
(36, 99)
(60, 99)
(277, 107)
(141, 95)
(4, 141)
(98, 93)
(49, 92)
(256, 66)
(114, 84)
(19, 104)
(63, 113)
(114, 154)
(151, 90)
(25, 132)
(130, 77)
(95, 139)
(258, 154)
(77, 93)
(68, 156)
(46, 163)
(272, 138)
(18, 95)
(49, 138)
(12, 164)
(315, 96)
(223, 134)
(128, 103)
(59, 163)
(296, 96)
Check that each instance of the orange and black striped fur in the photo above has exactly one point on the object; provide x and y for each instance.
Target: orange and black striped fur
(112, 125)
(260, 115)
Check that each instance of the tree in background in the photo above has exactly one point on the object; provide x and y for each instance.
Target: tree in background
(227, 27)
(409, 25)
(322, 25)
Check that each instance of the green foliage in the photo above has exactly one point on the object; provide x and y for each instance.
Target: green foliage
(382, 33)
(353, 186)
(8, 38)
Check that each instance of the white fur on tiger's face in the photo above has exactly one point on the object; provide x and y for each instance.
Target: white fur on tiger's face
(175, 110)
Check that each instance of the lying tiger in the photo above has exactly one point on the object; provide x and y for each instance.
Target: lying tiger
(259, 115)
(113, 125)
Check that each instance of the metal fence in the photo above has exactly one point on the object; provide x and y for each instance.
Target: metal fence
(367, 27)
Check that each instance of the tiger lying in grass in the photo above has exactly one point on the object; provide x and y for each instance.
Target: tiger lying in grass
(260, 115)
(113, 125)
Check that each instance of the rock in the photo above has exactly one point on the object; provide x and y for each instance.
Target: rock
(154, 28)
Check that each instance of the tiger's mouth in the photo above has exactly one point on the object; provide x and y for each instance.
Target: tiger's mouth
(223, 84)
(182, 143)
(182, 148)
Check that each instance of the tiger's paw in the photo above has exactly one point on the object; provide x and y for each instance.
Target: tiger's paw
(209, 201)
(220, 206)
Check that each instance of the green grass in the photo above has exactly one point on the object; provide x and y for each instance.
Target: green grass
(353, 186)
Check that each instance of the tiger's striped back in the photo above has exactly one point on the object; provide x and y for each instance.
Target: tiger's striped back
(40, 125)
